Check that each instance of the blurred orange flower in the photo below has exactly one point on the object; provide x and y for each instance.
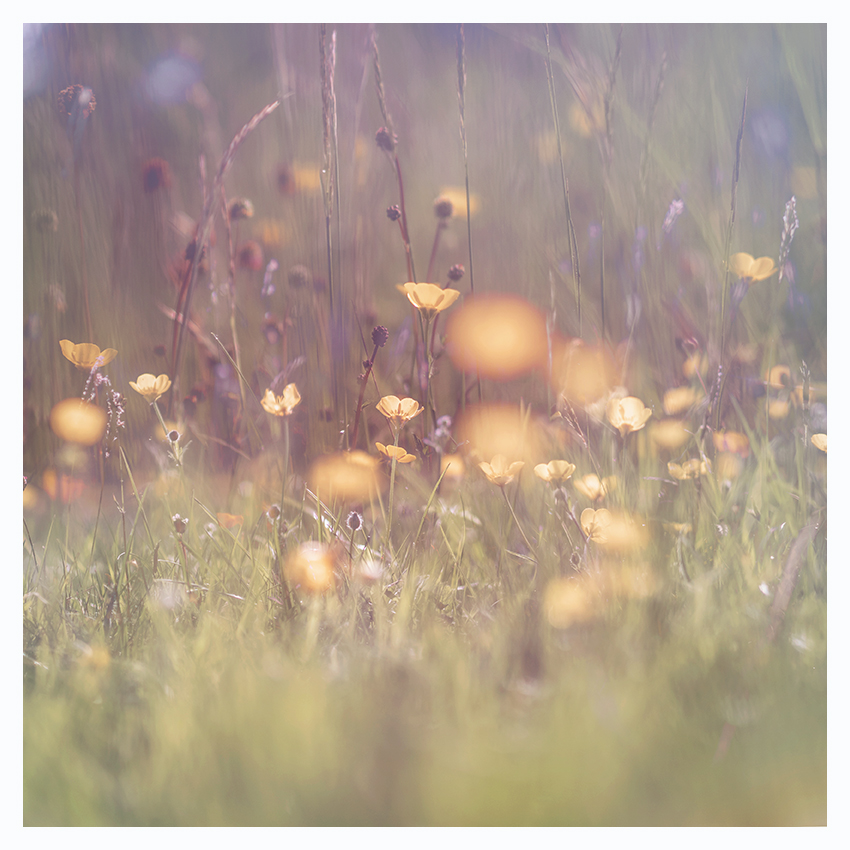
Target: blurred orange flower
(86, 355)
(731, 441)
(78, 421)
(311, 567)
(229, 520)
(350, 476)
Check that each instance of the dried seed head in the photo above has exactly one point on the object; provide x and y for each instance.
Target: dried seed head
(240, 208)
(173, 436)
(443, 207)
(456, 272)
(354, 521)
(386, 140)
(273, 512)
(250, 256)
(393, 213)
(380, 335)
(73, 96)
(156, 174)
(180, 523)
(300, 276)
(46, 221)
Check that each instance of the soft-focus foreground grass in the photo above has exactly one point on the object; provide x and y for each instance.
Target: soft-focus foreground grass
(482, 662)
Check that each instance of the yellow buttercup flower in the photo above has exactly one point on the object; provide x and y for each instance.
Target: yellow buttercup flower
(554, 471)
(283, 404)
(594, 489)
(669, 433)
(151, 387)
(401, 455)
(819, 441)
(689, 469)
(627, 414)
(78, 421)
(731, 441)
(86, 355)
(430, 298)
(748, 268)
(778, 378)
(499, 471)
(595, 524)
(678, 399)
(398, 410)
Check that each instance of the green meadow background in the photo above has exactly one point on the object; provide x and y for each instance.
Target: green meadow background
(495, 667)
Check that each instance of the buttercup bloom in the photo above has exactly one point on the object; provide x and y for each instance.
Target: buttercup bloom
(689, 469)
(430, 298)
(397, 452)
(151, 387)
(86, 355)
(399, 410)
(678, 399)
(595, 524)
(499, 471)
(283, 404)
(748, 268)
(819, 441)
(311, 567)
(78, 421)
(627, 414)
(594, 489)
(554, 471)
(731, 441)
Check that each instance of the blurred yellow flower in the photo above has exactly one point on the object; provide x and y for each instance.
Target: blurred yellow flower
(627, 414)
(499, 471)
(695, 364)
(678, 527)
(819, 441)
(595, 524)
(86, 355)
(778, 408)
(401, 455)
(679, 399)
(457, 196)
(78, 421)
(669, 433)
(731, 441)
(692, 468)
(581, 373)
(350, 476)
(430, 298)
(572, 600)
(229, 520)
(311, 567)
(454, 466)
(594, 489)
(778, 378)
(748, 268)
(728, 466)
(283, 404)
(151, 387)
(398, 410)
(554, 471)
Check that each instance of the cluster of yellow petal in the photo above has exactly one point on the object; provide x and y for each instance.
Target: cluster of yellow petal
(283, 404)
(819, 441)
